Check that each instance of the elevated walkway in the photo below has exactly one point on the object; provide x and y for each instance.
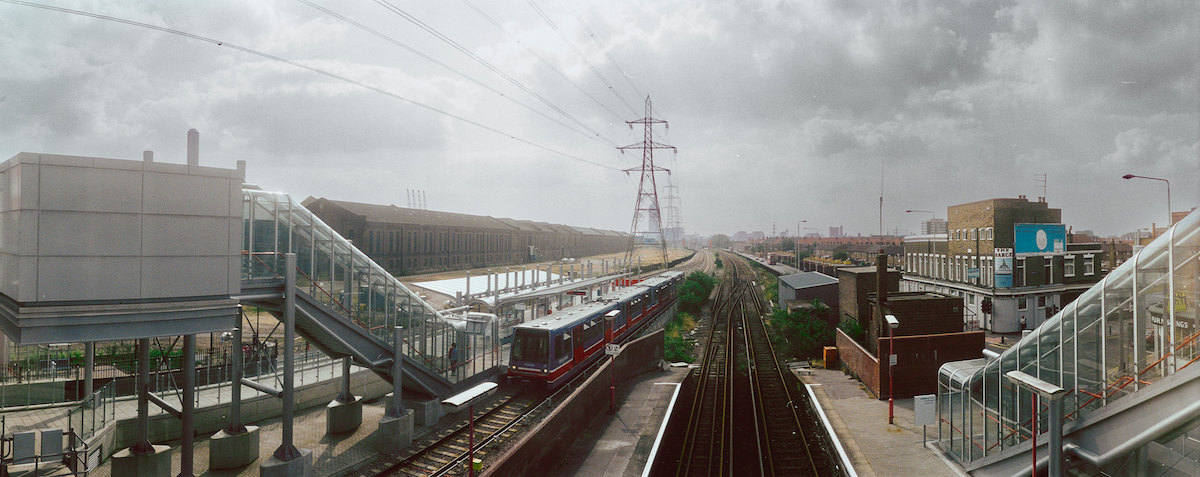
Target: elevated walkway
(1124, 351)
(347, 305)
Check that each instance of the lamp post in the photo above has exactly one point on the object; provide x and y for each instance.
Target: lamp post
(892, 323)
(1131, 176)
(932, 215)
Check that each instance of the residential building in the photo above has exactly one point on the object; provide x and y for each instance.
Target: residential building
(933, 226)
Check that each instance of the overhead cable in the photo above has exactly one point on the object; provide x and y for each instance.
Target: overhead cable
(433, 31)
(574, 48)
(547, 64)
(448, 67)
(312, 69)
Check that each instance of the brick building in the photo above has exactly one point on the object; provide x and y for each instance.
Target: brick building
(1009, 259)
(407, 241)
(855, 286)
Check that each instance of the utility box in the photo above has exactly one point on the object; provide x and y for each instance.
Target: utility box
(831, 357)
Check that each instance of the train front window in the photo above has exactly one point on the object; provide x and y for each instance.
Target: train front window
(530, 346)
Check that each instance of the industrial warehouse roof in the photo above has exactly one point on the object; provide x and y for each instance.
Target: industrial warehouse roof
(807, 280)
(392, 214)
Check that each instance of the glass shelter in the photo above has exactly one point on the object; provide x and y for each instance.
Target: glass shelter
(1118, 339)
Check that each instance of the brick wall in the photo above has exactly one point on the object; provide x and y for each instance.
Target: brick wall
(543, 446)
(861, 363)
(917, 360)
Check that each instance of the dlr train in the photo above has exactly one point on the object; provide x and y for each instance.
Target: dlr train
(557, 347)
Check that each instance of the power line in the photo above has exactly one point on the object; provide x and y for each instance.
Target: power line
(545, 63)
(600, 45)
(437, 34)
(574, 48)
(448, 67)
(312, 69)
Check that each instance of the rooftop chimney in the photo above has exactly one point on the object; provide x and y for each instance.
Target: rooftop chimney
(193, 145)
(1022, 197)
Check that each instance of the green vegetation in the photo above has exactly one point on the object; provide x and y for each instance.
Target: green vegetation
(694, 291)
(677, 347)
(799, 335)
(841, 256)
(720, 241)
(718, 263)
(853, 329)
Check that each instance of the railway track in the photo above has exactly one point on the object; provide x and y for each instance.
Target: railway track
(445, 453)
(745, 418)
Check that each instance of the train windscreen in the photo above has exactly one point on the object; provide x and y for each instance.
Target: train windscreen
(530, 346)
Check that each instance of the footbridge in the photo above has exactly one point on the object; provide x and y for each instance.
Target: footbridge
(1124, 357)
(349, 306)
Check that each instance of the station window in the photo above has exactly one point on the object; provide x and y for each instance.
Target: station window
(1089, 265)
(1069, 266)
(1041, 301)
(1022, 303)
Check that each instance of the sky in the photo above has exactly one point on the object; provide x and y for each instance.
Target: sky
(780, 111)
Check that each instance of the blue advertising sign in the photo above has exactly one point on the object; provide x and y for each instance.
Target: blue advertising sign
(1039, 238)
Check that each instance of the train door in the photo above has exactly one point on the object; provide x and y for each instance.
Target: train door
(610, 325)
(578, 352)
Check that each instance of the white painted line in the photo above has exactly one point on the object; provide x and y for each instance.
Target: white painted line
(661, 430)
(837, 443)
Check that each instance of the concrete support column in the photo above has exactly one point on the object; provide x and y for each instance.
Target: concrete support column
(468, 284)
(396, 428)
(396, 407)
(142, 445)
(143, 458)
(235, 390)
(287, 450)
(344, 413)
(345, 395)
(89, 368)
(236, 445)
(287, 459)
(188, 431)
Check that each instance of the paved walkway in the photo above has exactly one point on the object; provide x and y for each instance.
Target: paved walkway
(619, 444)
(876, 448)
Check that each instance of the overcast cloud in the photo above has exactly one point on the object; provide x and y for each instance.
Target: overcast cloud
(782, 111)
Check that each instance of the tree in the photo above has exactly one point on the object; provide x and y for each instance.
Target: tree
(841, 256)
(788, 244)
(694, 291)
(799, 335)
(720, 241)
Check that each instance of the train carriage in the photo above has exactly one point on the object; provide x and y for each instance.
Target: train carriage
(555, 348)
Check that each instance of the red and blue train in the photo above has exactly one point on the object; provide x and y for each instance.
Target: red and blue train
(557, 347)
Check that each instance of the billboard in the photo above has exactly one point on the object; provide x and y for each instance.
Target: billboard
(1039, 238)
(1004, 267)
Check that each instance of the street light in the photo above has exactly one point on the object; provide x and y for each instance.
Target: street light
(932, 215)
(1131, 176)
(892, 323)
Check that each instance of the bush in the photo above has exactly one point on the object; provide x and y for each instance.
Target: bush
(694, 291)
(853, 329)
(799, 335)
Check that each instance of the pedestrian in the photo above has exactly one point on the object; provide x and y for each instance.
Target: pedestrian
(453, 355)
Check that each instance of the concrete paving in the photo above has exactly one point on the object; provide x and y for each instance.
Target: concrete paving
(619, 444)
(874, 447)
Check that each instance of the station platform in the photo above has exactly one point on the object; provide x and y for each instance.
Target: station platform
(620, 444)
(874, 447)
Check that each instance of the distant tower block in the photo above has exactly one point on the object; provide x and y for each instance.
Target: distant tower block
(647, 200)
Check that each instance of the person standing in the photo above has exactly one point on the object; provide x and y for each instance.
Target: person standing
(453, 356)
